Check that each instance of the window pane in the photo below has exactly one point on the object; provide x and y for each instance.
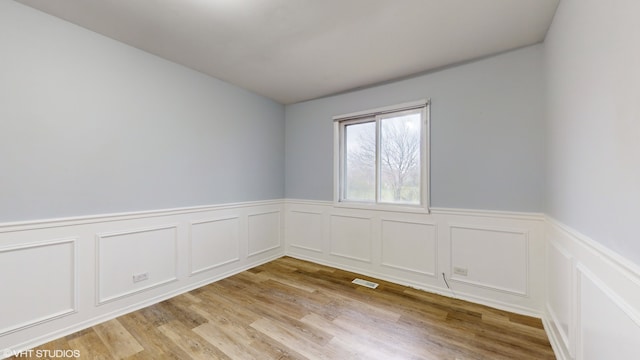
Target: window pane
(400, 159)
(360, 168)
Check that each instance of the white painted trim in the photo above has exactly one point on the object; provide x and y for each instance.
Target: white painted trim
(505, 230)
(389, 108)
(99, 237)
(581, 271)
(431, 289)
(526, 299)
(331, 252)
(302, 246)
(567, 338)
(308, 202)
(264, 213)
(590, 257)
(88, 230)
(435, 247)
(629, 310)
(516, 215)
(212, 220)
(137, 306)
(264, 250)
(624, 265)
(417, 209)
(553, 340)
(101, 218)
(305, 248)
(214, 266)
(616, 277)
(279, 212)
(306, 212)
(74, 280)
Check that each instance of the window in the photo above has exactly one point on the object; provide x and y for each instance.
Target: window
(381, 156)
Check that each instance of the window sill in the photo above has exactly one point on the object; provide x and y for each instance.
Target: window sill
(415, 209)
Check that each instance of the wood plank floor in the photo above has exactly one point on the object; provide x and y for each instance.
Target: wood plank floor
(292, 309)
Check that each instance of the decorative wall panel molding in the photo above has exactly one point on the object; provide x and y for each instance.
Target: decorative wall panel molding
(410, 246)
(40, 283)
(213, 243)
(264, 232)
(305, 230)
(105, 266)
(593, 298)
(502, 252)
(123, 255)
(506, 266)
(587, 284)
(608, 326)
(351, 237)
(561, 295)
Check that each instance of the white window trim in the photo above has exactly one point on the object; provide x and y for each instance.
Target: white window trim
(338, 150)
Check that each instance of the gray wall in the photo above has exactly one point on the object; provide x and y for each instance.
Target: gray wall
(89, 125)
(592, 55)
(487, 133)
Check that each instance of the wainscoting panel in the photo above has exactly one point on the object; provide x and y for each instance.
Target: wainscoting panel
(63, 275)
(60, 276)
(264, 232)
(213, 243)
(351, 237)
(410, 246)
(122, 256)
(502, 252)
(593, 298)
(304, 230)
(607, 324)
(503, 265)
(39, 283)
(561, 298)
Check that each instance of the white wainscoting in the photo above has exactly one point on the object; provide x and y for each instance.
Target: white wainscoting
(421, 237)
(307, 233)
(509, 247)
(213, 243)
(265, 231)
(351, 237)
(60, 276)
(48, 275)
(503, 253)
(152, 251)
(593, 300)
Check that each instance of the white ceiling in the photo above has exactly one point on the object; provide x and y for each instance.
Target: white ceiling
(296, 50)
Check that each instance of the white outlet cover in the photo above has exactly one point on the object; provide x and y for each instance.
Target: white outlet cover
(460, 271)
(140, 277)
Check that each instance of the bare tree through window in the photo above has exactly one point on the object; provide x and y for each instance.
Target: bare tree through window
(399, 159)
(360, 140)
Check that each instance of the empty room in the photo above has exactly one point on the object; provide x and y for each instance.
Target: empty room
(307, 179)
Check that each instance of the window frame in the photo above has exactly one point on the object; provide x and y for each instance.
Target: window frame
(376, 115)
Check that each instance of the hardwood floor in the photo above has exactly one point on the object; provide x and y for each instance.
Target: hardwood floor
(292, 309)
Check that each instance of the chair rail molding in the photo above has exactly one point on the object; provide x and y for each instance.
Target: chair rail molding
(592, 309)
(89, 269)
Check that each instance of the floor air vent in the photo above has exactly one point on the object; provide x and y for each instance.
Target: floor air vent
(366, 283)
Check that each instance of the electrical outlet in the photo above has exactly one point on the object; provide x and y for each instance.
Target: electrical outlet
(140, 277)
(460, 271)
